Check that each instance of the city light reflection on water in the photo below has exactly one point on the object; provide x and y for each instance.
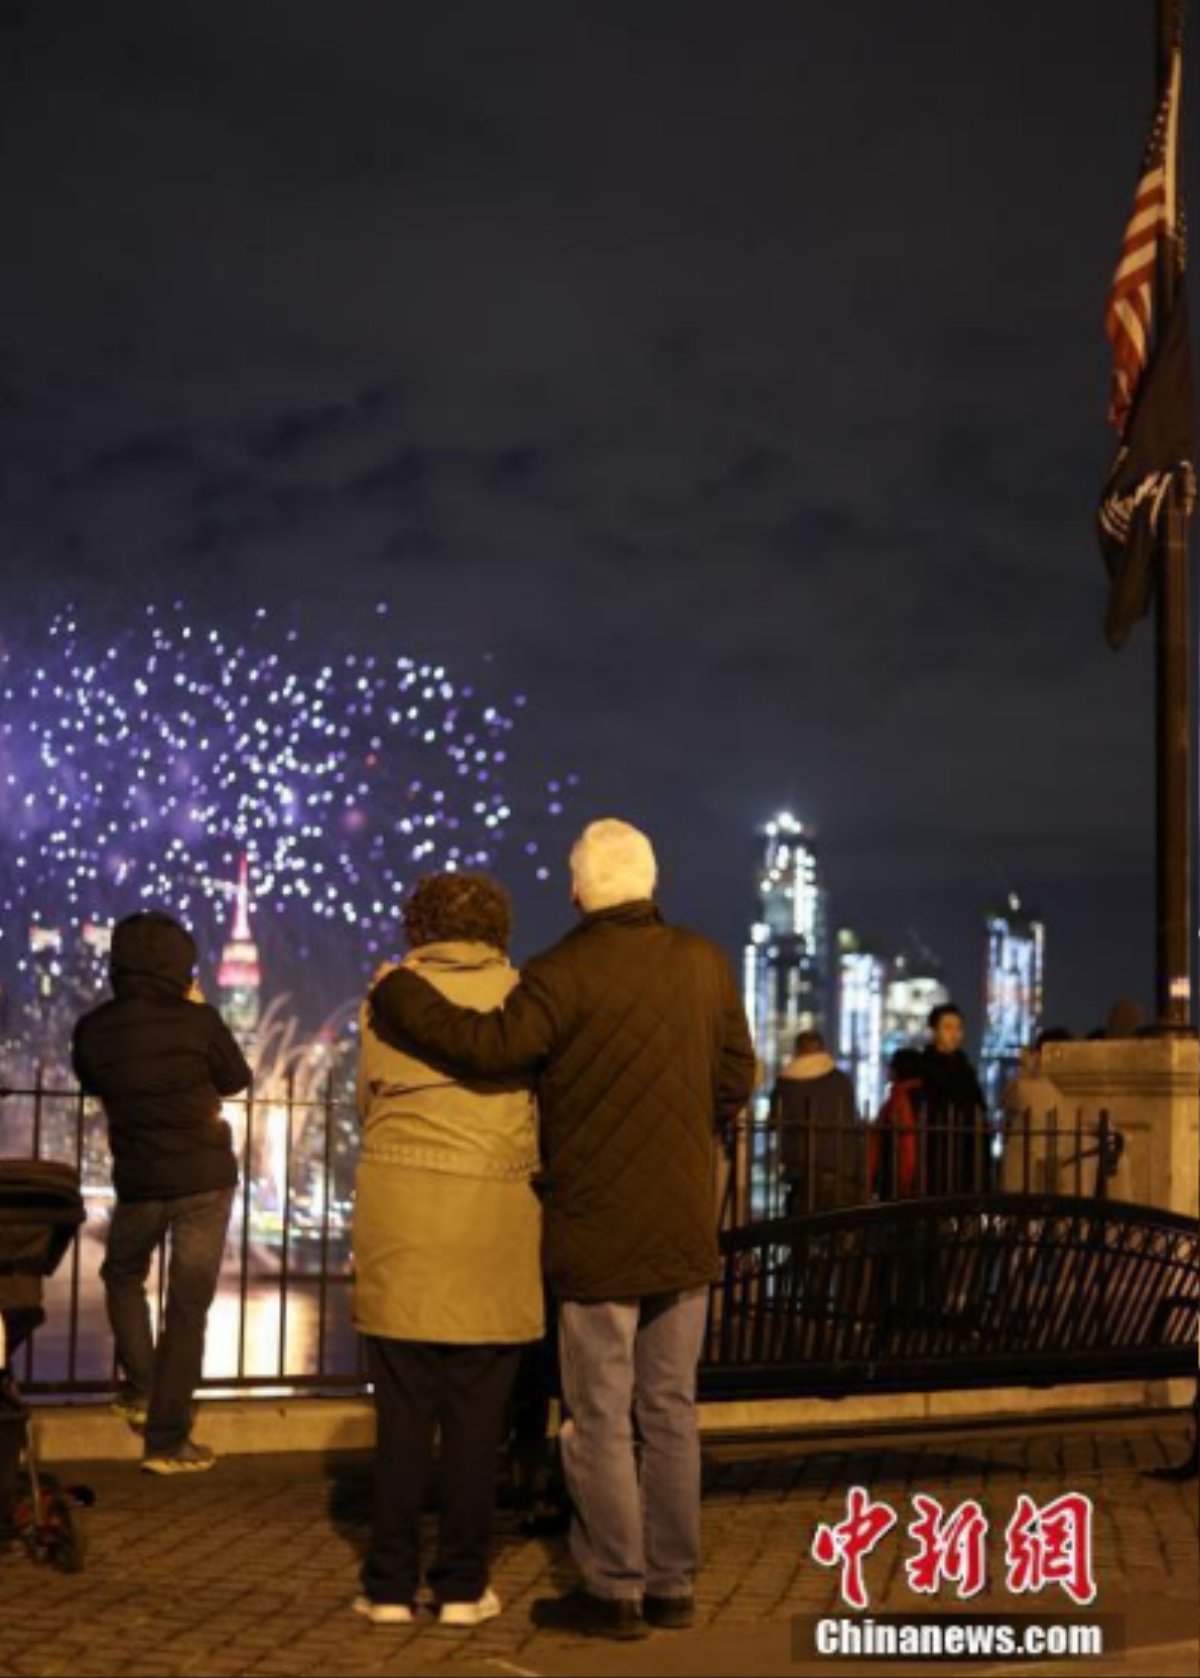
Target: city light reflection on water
(265, 1329)
(282, 1341)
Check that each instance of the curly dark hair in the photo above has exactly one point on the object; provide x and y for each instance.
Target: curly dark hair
(458, 908)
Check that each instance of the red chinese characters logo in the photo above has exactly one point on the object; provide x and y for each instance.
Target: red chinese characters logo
(848, 1544)
(1047, 1545)
(950, 1549)
(1052, 1545)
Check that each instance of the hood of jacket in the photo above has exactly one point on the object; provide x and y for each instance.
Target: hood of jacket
(455, 955)
(152, 955)
(639, 911)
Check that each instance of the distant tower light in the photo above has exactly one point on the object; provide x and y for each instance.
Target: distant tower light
(239, 977)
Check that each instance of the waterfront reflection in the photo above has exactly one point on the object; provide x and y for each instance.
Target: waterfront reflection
(261, 1332)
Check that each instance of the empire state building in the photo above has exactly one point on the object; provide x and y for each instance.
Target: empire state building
(239, 977)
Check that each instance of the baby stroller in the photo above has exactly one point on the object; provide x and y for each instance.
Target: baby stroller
(41, 1210)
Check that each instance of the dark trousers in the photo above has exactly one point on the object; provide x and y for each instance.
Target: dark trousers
(169, 1373)
(534, 1462)
(421, 1390)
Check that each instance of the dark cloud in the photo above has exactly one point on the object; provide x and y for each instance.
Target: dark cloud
(736, 380)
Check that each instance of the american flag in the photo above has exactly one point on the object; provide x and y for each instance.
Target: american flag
(1155, 217)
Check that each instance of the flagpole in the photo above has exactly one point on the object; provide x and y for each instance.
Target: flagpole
(1175, 935)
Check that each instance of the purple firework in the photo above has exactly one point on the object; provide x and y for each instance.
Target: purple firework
(140, 770)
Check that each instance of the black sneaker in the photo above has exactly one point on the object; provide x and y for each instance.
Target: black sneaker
(585, 1615)
(670, 1613)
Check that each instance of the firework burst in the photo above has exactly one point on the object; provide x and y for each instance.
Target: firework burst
(138, 771)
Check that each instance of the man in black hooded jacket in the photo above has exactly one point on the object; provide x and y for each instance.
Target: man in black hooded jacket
(161, 1061)
(957, 1138)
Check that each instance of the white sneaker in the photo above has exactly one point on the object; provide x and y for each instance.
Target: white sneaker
(465, 1616)
(188, 1458)
(383, 1613)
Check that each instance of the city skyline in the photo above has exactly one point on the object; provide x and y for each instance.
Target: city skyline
(802, 966)
(799, 974)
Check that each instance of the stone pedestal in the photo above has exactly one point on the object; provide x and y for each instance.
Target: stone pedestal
(1150, 1089)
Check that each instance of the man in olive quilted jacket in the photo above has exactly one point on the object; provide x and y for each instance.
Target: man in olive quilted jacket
(637, 1037)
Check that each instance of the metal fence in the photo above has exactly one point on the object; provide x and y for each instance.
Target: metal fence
(283, 1318)
(774, 1167)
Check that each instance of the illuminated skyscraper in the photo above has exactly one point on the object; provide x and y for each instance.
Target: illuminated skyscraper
(239, 978)
(786, 966)
(1016, 954)
(915, 986)
(862, 983)
(96, 951)
(46, 945)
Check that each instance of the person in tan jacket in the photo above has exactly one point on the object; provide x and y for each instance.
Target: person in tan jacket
(448, 1272)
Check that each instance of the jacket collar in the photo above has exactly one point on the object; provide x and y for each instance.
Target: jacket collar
(457, 953)
(643, 911)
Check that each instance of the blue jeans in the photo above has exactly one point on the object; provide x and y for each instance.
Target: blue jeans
(166, 1375)
(631, 1446)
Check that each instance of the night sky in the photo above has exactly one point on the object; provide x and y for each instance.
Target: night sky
(734, 375)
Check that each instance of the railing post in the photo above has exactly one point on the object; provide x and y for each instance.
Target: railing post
(1027, 1163)
(323, 1294)
(1104, 1133)
(244, 1256)
(38, 1095)
(286, 1248)
(76, 1256)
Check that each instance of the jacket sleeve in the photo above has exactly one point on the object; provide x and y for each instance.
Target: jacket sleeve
(227, 1064)
(517, 1038)
(737, 1073)
(79, 1063)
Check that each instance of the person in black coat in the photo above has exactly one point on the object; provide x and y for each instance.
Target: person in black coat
(956, 1111)
(161, 1061)
(815, 1112)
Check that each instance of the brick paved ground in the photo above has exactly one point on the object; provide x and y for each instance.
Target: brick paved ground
(251, 1569)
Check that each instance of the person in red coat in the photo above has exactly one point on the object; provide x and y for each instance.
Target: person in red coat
(895, 1152)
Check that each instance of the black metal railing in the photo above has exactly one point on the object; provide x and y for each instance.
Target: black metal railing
(773, 1167)
(283, 1317)
(978, 1290)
